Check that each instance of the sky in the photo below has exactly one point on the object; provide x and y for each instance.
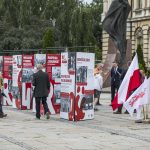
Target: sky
(88, 1)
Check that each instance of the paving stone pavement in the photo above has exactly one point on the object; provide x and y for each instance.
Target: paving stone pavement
(21, 131)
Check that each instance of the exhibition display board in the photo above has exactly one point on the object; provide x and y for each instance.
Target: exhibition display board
(27, 72)
(17, 71)
(71, 74)
(7, 76)
(53, 62)
(1, 72)
(17, 81)
(77, 92)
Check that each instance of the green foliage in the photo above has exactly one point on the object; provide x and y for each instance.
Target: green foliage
(48, 38)
(98, 53)
(44, 23)
(141, 61)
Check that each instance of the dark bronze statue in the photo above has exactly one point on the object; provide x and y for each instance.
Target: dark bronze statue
(115, 25)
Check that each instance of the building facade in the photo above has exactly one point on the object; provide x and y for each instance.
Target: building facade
(138, 27)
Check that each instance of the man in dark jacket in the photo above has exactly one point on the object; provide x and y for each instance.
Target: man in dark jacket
(115, 79)
(41, 90)
(123, 73)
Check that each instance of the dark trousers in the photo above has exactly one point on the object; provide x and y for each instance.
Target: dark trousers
(1, 109)
(120, 108)
(97, 95)
(114, 89)
(38, 102)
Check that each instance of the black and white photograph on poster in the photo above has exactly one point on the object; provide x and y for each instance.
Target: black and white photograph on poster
(19, 60)
(56, 74)
(65, 105)
(16, 93)
(27, 75)
(57, 88)
(71, 61)
(1, 63)
(40, 59)
(87, 102)
(9, 86)
(81, 74)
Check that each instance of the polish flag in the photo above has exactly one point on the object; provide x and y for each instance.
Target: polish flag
(139, 98)
(130, 82)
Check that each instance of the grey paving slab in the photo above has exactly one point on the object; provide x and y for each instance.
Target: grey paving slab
(21, 131)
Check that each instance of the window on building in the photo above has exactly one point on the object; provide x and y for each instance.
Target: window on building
(139, 4)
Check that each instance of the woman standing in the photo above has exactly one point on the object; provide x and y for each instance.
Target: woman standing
(98, 84)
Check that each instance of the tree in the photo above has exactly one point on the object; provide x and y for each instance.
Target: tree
(26, 23)
(48, 38)
(141, 58)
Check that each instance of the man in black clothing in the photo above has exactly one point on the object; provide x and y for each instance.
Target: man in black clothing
(115, 79)
(41, 90)
(119, 111)
(123, 73)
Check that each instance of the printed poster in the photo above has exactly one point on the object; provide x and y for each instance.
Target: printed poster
(84, 108)
(53, 62)
(67, 85)
(17, 81)
(27, 75)
(7, 75)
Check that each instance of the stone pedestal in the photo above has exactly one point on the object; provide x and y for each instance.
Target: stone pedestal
(114, 55)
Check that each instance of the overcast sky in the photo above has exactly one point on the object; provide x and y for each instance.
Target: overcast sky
(88, 1)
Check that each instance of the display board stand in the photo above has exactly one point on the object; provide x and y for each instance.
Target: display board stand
(77, 74)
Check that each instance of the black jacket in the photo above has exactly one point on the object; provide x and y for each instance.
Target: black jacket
(41, 83)
(115, 76)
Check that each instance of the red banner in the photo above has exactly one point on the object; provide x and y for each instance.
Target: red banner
(53, 62)
(28, 61)
(7, 70)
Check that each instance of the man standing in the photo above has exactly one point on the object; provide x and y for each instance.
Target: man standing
(41, 90)
(115, 79)
(1, 109)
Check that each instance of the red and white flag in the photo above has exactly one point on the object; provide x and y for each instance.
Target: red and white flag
(130, 82)
(139, 98)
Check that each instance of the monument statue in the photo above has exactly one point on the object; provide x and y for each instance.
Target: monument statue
(114, 24)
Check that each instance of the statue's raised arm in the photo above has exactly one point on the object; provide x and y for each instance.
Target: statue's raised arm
(114, 24)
